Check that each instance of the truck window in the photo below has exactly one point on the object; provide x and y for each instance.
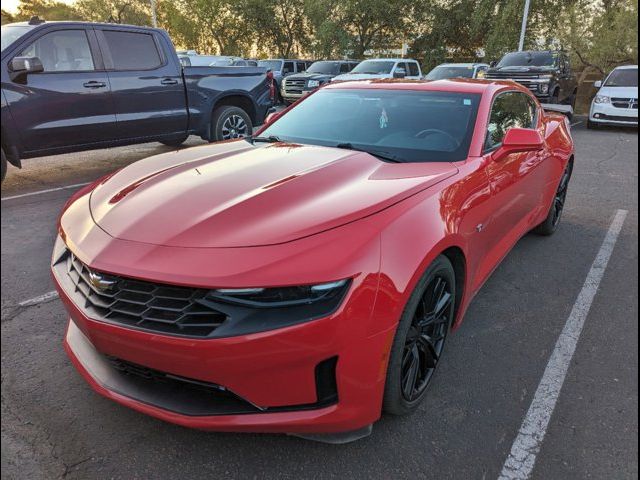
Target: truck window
(132, 51)
(414, 71)
(288, 67)
(345, 68)
(301, 66)
(509, 110)
(62, 51)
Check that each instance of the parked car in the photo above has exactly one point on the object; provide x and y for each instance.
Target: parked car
(196, 60)
(383, 68)
(282, 68)
(458, 70)
(298, 85)
(69, 86)
(616, 102)
(547, 74)
(309, 276)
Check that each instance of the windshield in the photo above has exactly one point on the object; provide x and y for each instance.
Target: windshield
(444, 72)
(529, 59)
(11, 33)
(328, 68)
(624, 77)
(374, 67)
(406, 126)
(273, 65)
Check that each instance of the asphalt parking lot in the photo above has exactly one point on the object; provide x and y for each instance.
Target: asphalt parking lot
(55, 426)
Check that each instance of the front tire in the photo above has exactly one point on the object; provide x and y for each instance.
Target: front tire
(175, 142)
(592, 125)
(550, 224)
(229, 122)
(420, 337)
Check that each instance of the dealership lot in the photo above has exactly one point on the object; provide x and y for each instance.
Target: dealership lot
(55, 426)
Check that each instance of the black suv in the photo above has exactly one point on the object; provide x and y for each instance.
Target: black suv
(546, 73)
(299, 85)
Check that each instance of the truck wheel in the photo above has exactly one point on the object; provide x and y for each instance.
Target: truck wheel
(4, 165)
(555, 99)
(175, 142)
(229, 122)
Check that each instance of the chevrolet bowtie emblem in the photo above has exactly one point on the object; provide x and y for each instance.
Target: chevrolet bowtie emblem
(101, 282)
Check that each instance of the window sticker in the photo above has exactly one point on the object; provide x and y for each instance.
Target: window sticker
(467, 101)
(384, 119)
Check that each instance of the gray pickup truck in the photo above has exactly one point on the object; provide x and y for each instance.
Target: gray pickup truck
(70, 86)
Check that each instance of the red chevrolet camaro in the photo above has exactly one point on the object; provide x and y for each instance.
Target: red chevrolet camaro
(306, 279)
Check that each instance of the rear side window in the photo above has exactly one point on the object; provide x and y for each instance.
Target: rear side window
(132, 50)
(301, 66)
(62, 51)
(288, 67)
(510, 110)
(345, 68)
(413, 69)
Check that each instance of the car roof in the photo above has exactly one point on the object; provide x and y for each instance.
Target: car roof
(626, 67)
(392, 59)
(460, 85)
(453, 64)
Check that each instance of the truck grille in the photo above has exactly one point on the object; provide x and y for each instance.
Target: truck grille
(526, 80)
(294, 86)
(145, 305)
(628, 103)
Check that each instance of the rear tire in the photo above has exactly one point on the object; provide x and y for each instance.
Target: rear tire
(551, 223)
(592, 125)
(229, 122)
(4, 165)
(175, 142)
(420, 337)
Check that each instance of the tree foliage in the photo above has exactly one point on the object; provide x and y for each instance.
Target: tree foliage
(598, 33)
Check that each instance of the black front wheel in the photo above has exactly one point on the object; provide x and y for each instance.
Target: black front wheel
(550, 224)
(420, 338)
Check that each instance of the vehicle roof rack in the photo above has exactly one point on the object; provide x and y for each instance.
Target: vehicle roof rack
(36, 20)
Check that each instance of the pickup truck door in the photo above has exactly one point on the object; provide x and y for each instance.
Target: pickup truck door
(69, 103)
(147, 86)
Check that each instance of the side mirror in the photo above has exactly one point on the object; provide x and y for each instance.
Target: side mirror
(20, 67)
(399, 73)
(518, 140)
(598, 84)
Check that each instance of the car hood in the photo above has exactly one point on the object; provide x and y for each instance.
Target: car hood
(361, 76)
(238, 195)
(311, 76)
(619, 92)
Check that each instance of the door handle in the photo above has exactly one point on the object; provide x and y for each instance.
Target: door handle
(169, 81)
(94, 84)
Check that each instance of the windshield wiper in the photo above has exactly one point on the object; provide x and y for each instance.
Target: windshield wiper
(381, 154)
(269, 139)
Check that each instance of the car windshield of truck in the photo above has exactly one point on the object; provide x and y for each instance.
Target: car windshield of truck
(443, 72)
(326, 68)
(393, 125)
(624, 77)
(529, 59)
(374, 67)
(10, 33)
(273, 65)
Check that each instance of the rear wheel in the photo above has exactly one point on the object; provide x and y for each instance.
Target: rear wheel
(550, 224)
(420, 338)
(4, 165)
(229, 122)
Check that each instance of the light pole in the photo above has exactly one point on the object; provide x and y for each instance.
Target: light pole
(154, 18)
(523, 30)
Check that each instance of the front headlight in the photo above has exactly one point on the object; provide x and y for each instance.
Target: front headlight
(252, 310)
(313, 83)
(602, 99)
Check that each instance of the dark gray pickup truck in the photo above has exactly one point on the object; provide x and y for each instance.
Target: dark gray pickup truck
(70, 86)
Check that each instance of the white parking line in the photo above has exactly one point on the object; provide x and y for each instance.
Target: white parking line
(526, 446)
(49, 190)
(45, 297)
(576, 123)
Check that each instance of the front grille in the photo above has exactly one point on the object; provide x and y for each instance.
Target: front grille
(146, 305)
(293, 86)
(627, 103)
(516, 77)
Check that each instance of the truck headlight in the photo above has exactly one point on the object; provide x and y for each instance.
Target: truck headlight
(313, 83)
(602, 99)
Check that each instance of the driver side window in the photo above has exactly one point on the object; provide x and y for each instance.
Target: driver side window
(62, 51)
(510, 110)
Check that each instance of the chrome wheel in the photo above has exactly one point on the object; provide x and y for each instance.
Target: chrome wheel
(234, 126)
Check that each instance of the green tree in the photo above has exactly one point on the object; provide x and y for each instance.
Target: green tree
(46, 9)
(7, 17)
(133, 12)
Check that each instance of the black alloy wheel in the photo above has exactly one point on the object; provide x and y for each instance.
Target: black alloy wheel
(550, 224)
(420, 338)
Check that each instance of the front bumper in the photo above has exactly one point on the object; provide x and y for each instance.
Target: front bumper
(606, 113)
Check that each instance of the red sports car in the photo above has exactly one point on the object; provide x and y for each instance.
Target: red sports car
(304, 280)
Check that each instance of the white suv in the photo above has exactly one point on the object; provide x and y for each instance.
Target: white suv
(617, 100)
(383, 68)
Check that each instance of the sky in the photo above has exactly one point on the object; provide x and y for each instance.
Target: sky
(12, 5)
